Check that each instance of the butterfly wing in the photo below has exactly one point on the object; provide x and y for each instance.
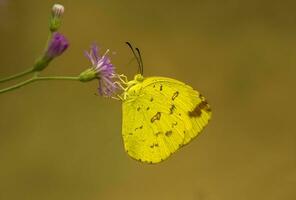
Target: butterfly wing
(159, 116)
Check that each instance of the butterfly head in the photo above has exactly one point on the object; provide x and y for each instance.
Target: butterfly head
(139, 78)
(133, 86)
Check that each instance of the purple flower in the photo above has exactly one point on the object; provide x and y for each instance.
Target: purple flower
(57, 45)
(104, 71)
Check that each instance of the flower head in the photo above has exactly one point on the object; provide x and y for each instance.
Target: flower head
(102, 69)
(57, 45)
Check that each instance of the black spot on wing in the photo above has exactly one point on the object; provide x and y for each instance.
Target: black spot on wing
(156, 117)
(172, 109)
(174, 124)
(140, 127)
(175, 95)
(154, 145)
(168, 133)
(158, 133)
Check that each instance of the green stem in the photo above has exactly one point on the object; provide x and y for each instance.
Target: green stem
(28, 71)
(31, 80)
(47, 40)
(47, 78)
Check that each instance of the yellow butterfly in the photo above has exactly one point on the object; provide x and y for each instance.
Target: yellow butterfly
(160, 115)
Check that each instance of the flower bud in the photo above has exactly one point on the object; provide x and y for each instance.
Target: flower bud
(58, 10)
(57, 13)
(56, 47)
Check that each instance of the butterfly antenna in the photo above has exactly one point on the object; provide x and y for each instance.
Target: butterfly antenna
(139, 62)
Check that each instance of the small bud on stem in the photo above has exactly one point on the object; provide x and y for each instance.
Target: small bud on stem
(55, 20)
(58, 10)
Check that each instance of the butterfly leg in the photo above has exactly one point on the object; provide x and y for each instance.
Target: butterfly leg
(122, 78)
(119, 84)
(119, 98)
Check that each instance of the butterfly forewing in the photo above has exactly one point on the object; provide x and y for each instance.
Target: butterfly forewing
(159, 116)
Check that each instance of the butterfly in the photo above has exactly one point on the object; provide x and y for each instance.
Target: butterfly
(160, 115)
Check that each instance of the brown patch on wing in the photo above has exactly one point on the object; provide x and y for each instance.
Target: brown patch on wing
(204, 105)
(196, 112)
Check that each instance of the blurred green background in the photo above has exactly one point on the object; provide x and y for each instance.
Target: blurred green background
(58, 140)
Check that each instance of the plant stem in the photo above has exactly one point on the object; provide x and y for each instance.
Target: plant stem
(28, 71)
(31, 80)
(69, 78)
(47, 41)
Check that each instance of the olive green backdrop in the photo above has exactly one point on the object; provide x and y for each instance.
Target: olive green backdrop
(60, 141)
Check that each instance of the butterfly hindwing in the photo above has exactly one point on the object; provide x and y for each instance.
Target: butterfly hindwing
(159, 116)
(150, 134)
